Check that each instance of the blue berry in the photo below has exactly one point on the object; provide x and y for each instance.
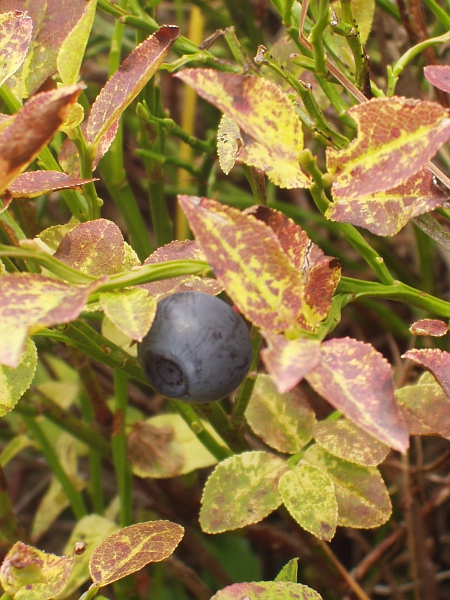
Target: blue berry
(197, 350)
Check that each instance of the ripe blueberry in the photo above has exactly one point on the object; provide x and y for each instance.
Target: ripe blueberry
(197, 350)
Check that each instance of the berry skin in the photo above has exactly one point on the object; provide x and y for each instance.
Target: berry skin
(197, 350)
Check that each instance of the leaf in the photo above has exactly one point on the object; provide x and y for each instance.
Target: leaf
(320, 273)
(229, 141)
(386, 212)
(95, 247)
(439, 76)
(71, 51)
(357, 380)
(37, 183)
(391, 131)
(288, 361)
(363, 11)
(14, 382)
(15, 35)
(249, 262)
(433, 327)
(52, 22)
(30, 574)
(128, 550)
(242, 490)
(267, 590)
(132, 311)
(185, 250)
(308, 494)
(262, 110)
(31, 129)
(345, 440)
(282, 421)
(289, 572)
(28, 300)
(361, 494)
(434, 360)
(126, 83)
(90, 530)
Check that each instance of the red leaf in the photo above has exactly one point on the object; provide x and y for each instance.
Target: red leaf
(429, 327)
(36, 183)
(436, 361)
(439, 76)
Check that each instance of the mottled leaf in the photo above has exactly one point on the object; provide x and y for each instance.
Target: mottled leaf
(126, 551)
(426, 407)
(361, 494)
(345, 440)
(386, 212)
(308, 494)
(439, 76)
(267, 590)
(391, 131)
(288, 361)
(71, 51)
(229, 141)
(90, 530)
(242, 490)
(262, 110)
(95, 247)
(320, 273)
(132, 311)
(434, 360)
(126, 83)
(52, 22)
(249, 262)
(357, 380)
(36, 183)
(282, 421)
(15, 35)
(15, 382)
(185, 250)
(30, 574)
(30, 300)
(433, 327)
(53, 236)
(31, 129)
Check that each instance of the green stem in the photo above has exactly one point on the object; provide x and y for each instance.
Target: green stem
(354, 43)
(119, 448)
(245, 393)
(73, 495)
(442, 16)
(316, 37)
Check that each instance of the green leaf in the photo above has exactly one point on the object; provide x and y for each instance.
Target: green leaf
(363, 11)
(249, 262)
(242, 490)
(90, 530)
(392, 131)
(426, 407)
(264, 112)
(386, 212)
(132, 311)
(71, 51)
(15, 35)
(282, 421)
(14, 382)
(30, 574)
(267, 590)
(308, 494)
(126, 551)
(126, 83)
(289, 572)
(31, 129)
(229, 142)
(357, 380)
(95, 247)
(362, 498)
(345, 440)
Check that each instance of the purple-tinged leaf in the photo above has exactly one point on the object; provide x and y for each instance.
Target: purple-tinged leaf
(396, 137)
(434, 360)
(15, 35)
(126, 83)
(31, 129)
(95, 247)
(267, 590)
(439, 76)
(249, 261)
(433, 327)
(36, 183)
(357, 380)
(288, 361)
